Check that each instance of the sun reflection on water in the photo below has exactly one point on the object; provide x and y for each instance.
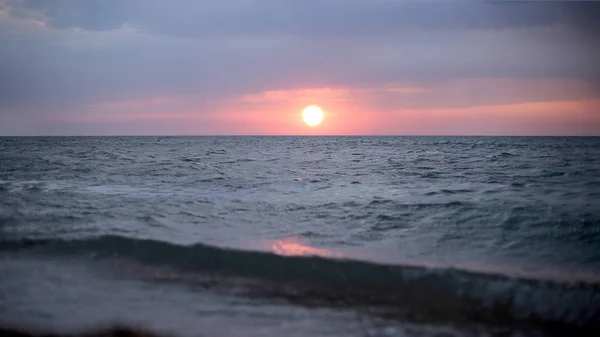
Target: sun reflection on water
(291, 247)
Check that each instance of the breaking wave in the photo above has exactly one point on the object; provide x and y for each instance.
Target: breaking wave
(421, 293)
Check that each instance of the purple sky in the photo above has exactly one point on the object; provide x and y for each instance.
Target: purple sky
(250, 66)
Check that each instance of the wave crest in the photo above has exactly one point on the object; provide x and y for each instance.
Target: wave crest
(426, 293)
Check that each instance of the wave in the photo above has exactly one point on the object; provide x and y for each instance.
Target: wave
(417, 292)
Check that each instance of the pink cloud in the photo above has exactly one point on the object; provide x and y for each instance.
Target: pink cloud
(321, 94)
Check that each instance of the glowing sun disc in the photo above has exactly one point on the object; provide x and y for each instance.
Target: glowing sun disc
(312, 115)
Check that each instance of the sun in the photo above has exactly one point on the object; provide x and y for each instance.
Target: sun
(312, 115)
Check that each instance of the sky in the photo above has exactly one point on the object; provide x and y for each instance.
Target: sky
(249, 67)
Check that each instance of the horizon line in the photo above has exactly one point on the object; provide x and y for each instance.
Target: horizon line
(271, 135)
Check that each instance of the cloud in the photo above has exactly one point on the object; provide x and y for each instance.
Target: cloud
(82, 59)
(567, 118)
(85, 67)
(313, 18)
(308, 95)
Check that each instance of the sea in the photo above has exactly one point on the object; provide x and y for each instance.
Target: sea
(301, 236)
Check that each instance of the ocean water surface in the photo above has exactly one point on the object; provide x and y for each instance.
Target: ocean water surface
(298, 236)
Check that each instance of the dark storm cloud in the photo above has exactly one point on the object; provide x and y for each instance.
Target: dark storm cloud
(306, 18)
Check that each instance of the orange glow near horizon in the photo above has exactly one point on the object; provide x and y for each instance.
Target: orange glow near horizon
(348, 111)
(349, 118)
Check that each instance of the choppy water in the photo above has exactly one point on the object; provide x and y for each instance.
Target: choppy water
(255, 236)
